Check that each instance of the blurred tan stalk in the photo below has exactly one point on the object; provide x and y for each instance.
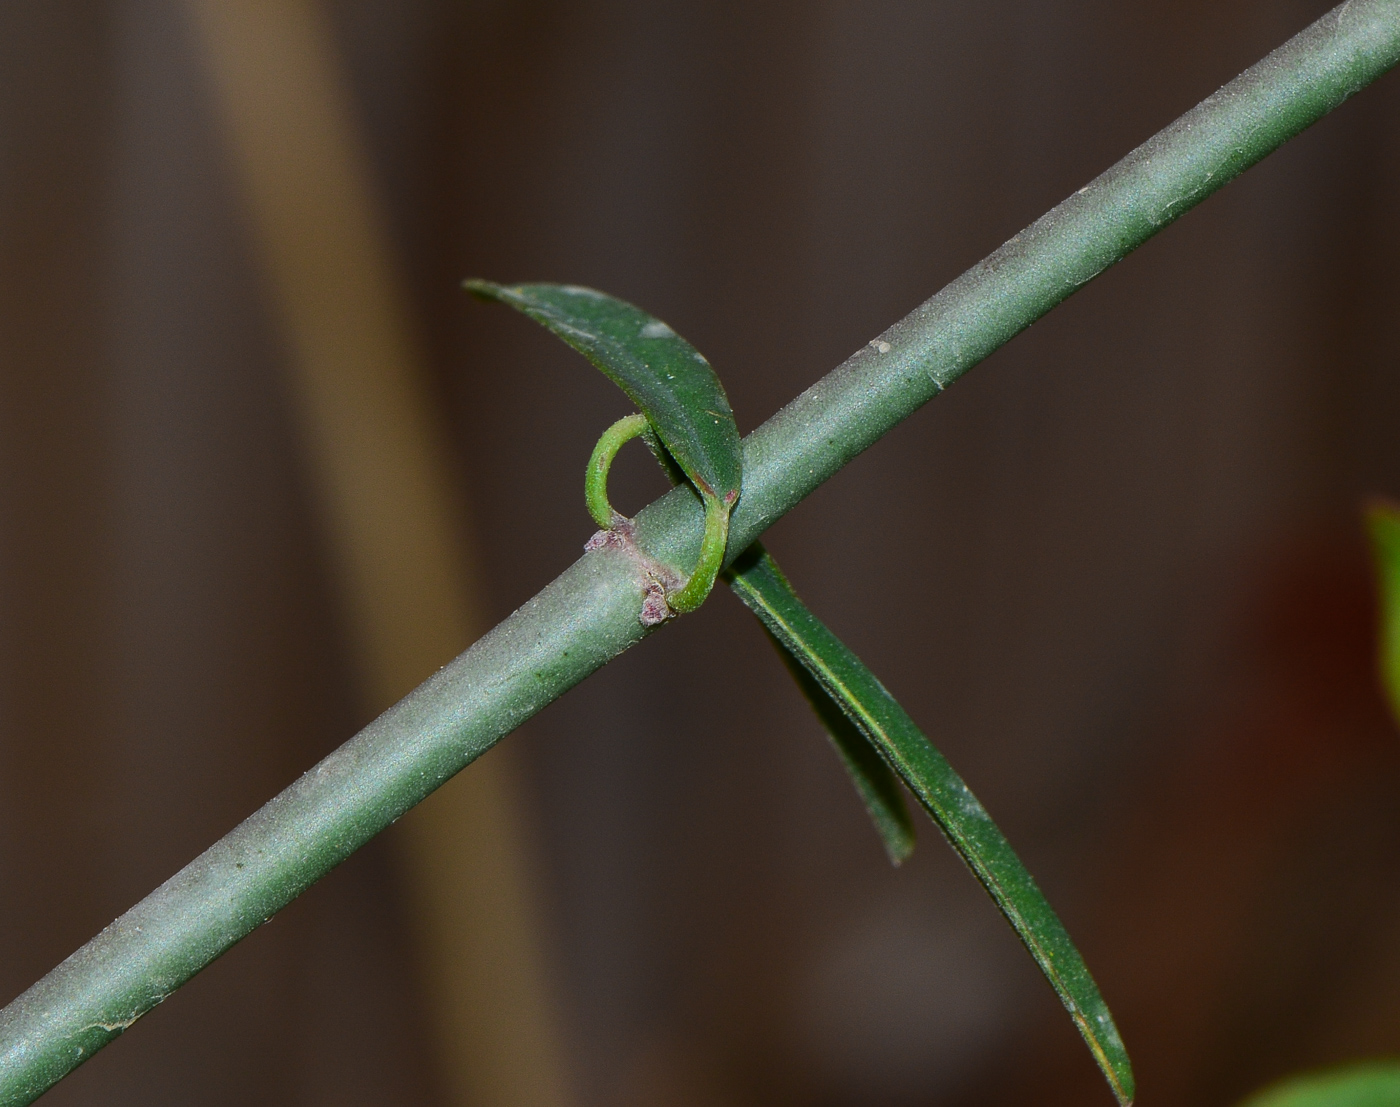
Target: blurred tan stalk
(379, 460)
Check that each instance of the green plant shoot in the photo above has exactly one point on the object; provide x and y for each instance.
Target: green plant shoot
(589, 614)
(871, 732)
(677, 391)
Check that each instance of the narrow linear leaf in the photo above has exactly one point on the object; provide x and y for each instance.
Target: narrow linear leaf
(1369, 1084)
(875, 782)
(759, 583)
(664, 375)
(1384, 523)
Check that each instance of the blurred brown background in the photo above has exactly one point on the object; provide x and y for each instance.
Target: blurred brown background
(1116, 573)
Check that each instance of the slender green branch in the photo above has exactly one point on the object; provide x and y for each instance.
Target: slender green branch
(590, 613)
(595, 478)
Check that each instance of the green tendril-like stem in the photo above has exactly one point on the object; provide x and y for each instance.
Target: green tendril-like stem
(595, 480)
(711, 557)
(712, 545)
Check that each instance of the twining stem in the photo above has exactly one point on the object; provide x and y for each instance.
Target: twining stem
(595, 478)
(711, 560)
(712, 544)
(589, 614)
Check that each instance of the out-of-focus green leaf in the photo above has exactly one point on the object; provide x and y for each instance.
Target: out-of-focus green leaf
(1384, 523)
(664, 375)
(1368, 1084)
(757, 581)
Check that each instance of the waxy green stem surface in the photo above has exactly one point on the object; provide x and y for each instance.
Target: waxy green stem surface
(589, 614)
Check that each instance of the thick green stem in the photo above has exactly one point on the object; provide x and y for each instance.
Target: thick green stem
(590, 613)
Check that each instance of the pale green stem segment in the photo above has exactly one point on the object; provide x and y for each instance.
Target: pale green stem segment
(595, 480)
(757, 580)
(712, 544)
(589, 614)
(1384, 524)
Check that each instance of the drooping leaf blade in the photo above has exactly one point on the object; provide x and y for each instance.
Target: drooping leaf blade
(874, 781)
(757, 581)
(1368, 1084)
(664, 375)
(1384, 524)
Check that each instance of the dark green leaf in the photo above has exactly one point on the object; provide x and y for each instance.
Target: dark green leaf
(1384, 520)
(759, 583)
(876, 784)
(1369, 1084)
(664, 375)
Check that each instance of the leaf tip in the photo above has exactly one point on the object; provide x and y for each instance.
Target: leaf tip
(1111, 1055)
(1121, 1083)
(899, 848)
(482, 289)
(1120, 1079)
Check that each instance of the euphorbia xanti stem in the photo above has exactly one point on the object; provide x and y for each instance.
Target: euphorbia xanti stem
(590, 614)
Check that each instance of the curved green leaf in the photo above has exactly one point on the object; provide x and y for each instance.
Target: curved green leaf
(662, 373)
(1384, 524)
(1369, 1084)
(757, 581)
